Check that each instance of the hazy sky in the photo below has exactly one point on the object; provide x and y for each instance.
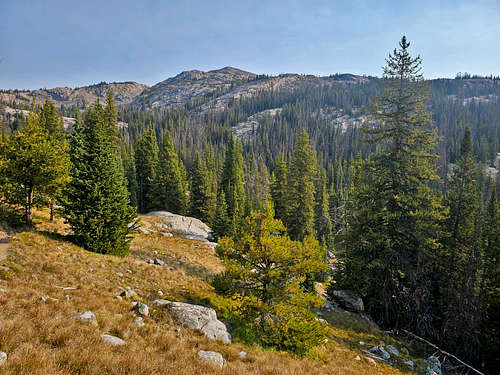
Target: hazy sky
(48, 43)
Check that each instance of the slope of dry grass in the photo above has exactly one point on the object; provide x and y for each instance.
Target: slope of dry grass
(41, 338)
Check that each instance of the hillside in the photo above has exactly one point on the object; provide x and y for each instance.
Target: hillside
(45, 280)
(124, 93)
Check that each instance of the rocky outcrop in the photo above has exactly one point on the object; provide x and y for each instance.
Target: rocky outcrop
(212, 357)
(193, 228)
(348, 300)
(197, 317)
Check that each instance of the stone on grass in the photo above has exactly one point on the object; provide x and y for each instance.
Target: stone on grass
(197, 317)
(242, 355)
(127, 293)
(380, 352)
(112, 340)
(392, 350)
(139, 322)
(3, 358)
(409, 363)
(212, 357)
(141, 309)
(159, 262)
(86, 316)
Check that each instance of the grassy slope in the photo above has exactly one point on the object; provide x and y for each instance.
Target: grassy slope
(40, 338)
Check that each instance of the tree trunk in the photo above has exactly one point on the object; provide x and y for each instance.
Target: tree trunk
(29, 207)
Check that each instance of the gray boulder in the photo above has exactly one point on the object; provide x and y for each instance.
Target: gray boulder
(348, 300)
(392, 350)
(3, 358)
(159, 262)
(127, 293)
(212, 357)
(190, 226)
(140, 309)
(380, 352)
(409, 363)
(433, 366)
(86, 316)
(197, 317)
(112, 340)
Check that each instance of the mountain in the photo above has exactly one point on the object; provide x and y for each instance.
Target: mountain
(124, 93)
(213, 90)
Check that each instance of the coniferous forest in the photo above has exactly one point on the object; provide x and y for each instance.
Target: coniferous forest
(399, 206)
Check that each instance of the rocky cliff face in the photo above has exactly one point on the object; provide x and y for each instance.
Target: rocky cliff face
(124, 93)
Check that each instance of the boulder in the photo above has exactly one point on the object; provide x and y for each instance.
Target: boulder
(158, 262)
(348, 300)
(380, 352)
(3, 358)
(112, 340)
(86, 316)
(140, 309)
(197, 317)
(392, 350)
(409, 363)
(212, 357)
(190, 226)
(127, 293)
(433, 366)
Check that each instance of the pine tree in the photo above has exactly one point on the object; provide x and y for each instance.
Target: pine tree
(279, 189)
(461, 256)
(34, 164)
(267, 267)
(98, 207)
(393, 212)
(50, 120)
(232, 183)
(222, 223)
(490, 285)
(322, 222)
(128, 159)
(203, 199)
(301, 179)
(169, 188)
(146, 161)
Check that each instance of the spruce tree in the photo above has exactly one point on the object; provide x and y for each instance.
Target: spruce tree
(98, 207)
(394, 214)
(279, 187)
(461, 256)
(128, 159)
(301, 180)
(222, 223)
(169, 190)
(203, 199)
(322, 222)
(146, 161)
(232, 183)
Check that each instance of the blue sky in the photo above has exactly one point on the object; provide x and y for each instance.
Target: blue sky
(49, 43)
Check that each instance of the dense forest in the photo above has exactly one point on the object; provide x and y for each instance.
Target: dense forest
(392, 180)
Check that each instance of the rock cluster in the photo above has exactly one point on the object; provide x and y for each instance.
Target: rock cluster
(348, 300)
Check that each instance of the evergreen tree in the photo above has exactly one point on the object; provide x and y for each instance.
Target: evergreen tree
(222, 224)
(461, 256)
(490, 285)
(98, 207)
(279, 187)
(393, 212)
(128, 159)
(232, 183)
(322, 222)
(50, 120)
(146, 160)
(203, 199)
(34, 165)
(267, 267)
(169, 188)
(301, 190)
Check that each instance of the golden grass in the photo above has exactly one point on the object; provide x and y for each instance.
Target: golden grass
(40, 338)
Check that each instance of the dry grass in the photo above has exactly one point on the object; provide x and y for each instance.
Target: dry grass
(40, 338)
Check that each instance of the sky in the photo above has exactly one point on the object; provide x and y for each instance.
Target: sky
(50, 43)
